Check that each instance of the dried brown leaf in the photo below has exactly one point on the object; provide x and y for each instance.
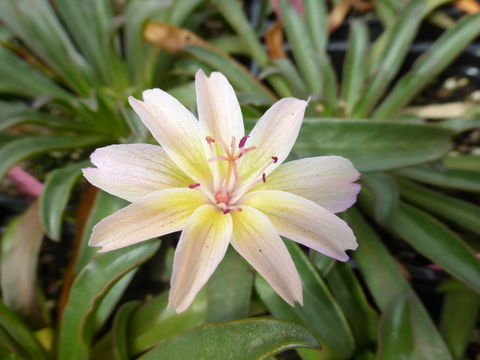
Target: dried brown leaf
(274, 40)
(171, 38)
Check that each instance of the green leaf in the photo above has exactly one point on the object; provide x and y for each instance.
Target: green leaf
(237, 340)
(455, 211)
(385, 195)
(110, 300)
(320, 312)
(385, 281)
(21, 334)
(29, 116)
(7, 355)
(355, 66)
(288, 70)
(238, 75)
(153, 322)
(35, 22)
(372, 145)
(229, 289)
(460, 311)
(433, 240)
(90, 23)
(25, 79)
(350, 296)
(182, 9)
(93, 282)
(141, 56)
(396, 47)
(380, 271)
(323, 263)
(120, 329)
(433, 62)
(467, 180)
(395, 331)
(28, 146)
(386, 10)
(55, 195)
(21, 244)
(464, 162)
(330, 86)
(104, 205)
(9, 346)
(302, 47)
(317, 24)
(233, 13)
(460, 125)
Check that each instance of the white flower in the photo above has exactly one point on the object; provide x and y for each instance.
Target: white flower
(220, 187)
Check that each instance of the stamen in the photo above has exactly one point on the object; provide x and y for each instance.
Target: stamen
(242, 142)
(225, 147)
(232, 145)
(260, 176)
(244, 151)
(193, 186)
(209, 139)
(216, 158)
(226, 211)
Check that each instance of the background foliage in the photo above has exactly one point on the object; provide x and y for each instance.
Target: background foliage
(411, 290)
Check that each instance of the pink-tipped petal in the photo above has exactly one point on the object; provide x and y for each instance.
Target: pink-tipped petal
(218, 109)
(159, 213)
(255, 238)
(176, 129)
(274, 136)
(132, 171)
(305, 222)
(327, 180)
(202, 246)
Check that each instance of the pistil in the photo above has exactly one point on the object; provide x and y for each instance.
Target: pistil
(225, 193)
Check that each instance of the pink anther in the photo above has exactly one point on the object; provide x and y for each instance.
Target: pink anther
(242, 142)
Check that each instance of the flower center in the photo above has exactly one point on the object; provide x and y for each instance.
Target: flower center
(225, 162)
(222, 197)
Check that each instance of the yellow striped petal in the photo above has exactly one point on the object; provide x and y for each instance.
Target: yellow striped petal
(132, 171)
(202, 246)
(255, 238)
(274, 136)
(327, 180)
(218, 109)
(156, 214)
(304, 221)
(176, 129)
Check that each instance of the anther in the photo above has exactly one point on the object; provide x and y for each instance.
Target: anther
(264, 178)
(275, 159)
(209, 139)
(193, 186)
(226, 211)
(242, 142)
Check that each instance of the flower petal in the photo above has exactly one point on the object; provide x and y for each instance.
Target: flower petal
(304, 221)
(218, 109)
(327, 180)
(132, 171)
(274, 136)
(255, 238)
(176, 129)
(156, 214)
(202, 246)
